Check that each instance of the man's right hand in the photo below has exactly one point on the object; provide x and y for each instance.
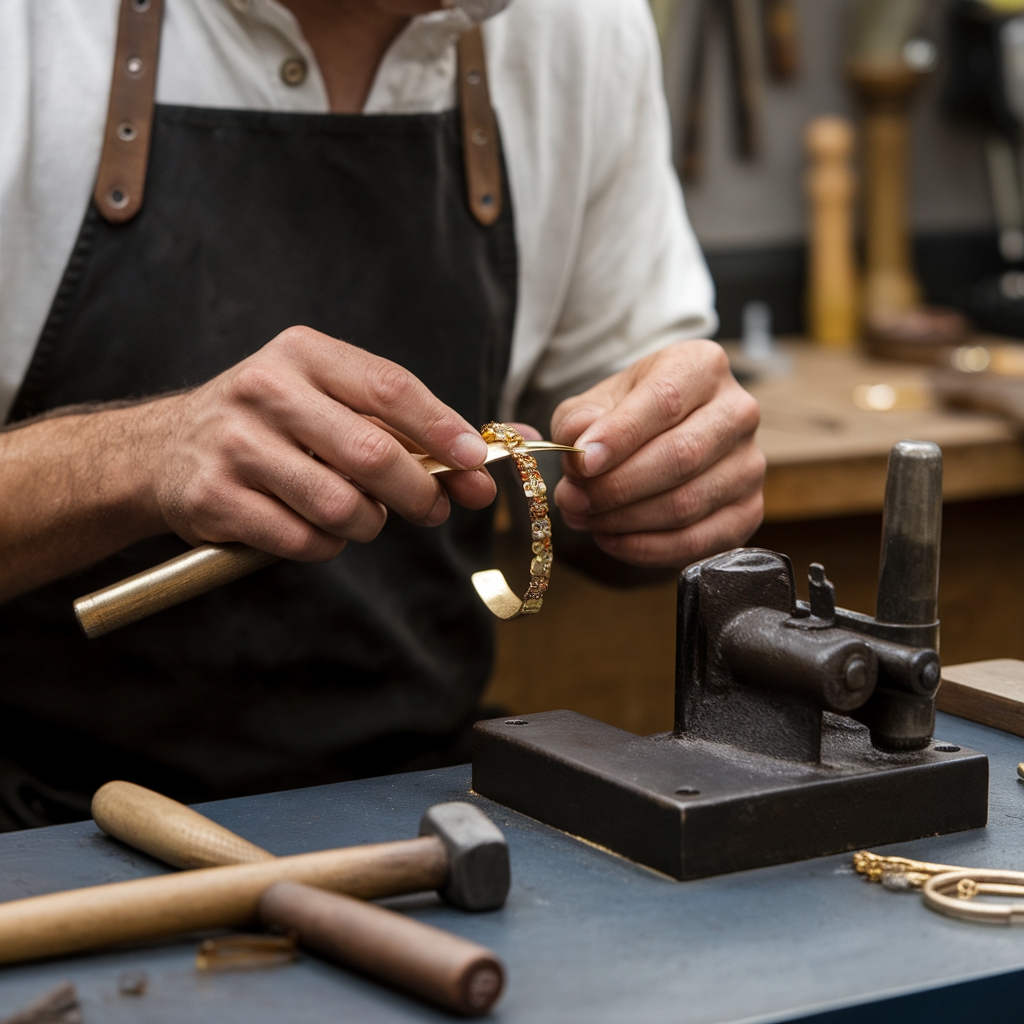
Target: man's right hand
(232, 459)
(229, 461)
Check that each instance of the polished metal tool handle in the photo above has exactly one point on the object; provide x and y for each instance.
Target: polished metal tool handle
(210, 566)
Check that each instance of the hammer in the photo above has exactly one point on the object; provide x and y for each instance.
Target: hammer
(427, 961)
(459, 852)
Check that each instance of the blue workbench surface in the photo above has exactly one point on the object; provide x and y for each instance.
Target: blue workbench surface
(587, 936)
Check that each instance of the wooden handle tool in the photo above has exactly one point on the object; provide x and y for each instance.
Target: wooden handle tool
(425, 961)
(210, 566)
(431, 963)
(168, 830)
(220, 897)
(477, 874)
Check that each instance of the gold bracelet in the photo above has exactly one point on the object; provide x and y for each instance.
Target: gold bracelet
(490, 584)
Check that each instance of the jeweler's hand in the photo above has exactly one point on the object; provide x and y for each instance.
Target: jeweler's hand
(671, 472)
(235, 460)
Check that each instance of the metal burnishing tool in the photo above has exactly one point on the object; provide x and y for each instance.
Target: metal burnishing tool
(213, 565)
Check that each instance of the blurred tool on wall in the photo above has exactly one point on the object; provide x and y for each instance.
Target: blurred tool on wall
(984, 88)
(832, 299)
(887, 61)
(782, 35)
(762, 38)
(884, 82)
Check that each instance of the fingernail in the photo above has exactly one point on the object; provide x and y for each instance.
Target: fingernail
(570, 498)
(596, 456)
(439, 513)
(468, 450)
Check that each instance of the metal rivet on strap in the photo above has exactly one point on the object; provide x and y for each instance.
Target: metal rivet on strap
(293, 71)
(141, 5)
(117, 199)
(133, 66)
(473, 78)
(126, 132)
(479, 137)
(487, 199)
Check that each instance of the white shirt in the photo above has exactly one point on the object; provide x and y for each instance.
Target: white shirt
(609, 267)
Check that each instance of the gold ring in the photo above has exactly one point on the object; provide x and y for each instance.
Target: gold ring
(953, 894)
(490, 584)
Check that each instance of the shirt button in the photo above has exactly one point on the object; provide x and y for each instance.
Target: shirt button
(293, 71)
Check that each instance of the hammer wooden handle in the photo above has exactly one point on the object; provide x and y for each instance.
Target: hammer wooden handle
(427, 961)
(221, 897)
(168, 830)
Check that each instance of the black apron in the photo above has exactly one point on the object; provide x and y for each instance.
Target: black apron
(358, 226)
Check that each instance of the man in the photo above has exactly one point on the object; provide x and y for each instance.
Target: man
(173, 371)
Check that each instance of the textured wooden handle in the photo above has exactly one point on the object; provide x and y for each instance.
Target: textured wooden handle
(427, 961)
(222, 897)
(189, 575)
(167, 830)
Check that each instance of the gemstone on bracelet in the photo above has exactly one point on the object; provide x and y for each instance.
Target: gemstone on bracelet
(541, 528)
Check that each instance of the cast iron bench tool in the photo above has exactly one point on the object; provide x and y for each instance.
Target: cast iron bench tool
(801, 729)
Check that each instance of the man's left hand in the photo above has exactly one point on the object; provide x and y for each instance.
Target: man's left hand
(671, 473)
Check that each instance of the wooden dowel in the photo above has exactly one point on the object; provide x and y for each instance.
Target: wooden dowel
(168, 830)
(221, 897)
(444, 968)
(196, 572)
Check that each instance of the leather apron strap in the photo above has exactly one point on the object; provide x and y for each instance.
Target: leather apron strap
(122, 176)
(479, 130)
(121, 183)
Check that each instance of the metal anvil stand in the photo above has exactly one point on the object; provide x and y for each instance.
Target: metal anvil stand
(801, 729)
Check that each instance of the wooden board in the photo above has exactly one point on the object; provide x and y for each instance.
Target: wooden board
(989, 692)
(827, 457)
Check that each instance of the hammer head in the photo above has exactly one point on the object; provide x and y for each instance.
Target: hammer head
(478, 868)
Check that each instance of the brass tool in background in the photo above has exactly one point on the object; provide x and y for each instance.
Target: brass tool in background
(427, 961)
(210, 566)
(831, 184)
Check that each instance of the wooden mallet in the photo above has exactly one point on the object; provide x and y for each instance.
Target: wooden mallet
(459, 852)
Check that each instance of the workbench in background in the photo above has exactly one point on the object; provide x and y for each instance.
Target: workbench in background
(610, 653)
(588, 937)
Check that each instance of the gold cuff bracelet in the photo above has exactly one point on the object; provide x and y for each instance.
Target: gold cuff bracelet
(490, 584)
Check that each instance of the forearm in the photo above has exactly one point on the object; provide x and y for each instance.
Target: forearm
(74, 489)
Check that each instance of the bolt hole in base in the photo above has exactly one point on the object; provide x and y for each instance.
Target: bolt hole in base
(515, 721)
(946, 748)
(687, 791)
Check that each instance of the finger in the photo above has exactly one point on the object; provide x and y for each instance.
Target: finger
(729, 481)
(665, 390)
(379, 387)
(318, 493)
(263, 522)
(727, 528)
(680, 454)
(472, 489)
(529, 433)
(373, 458)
